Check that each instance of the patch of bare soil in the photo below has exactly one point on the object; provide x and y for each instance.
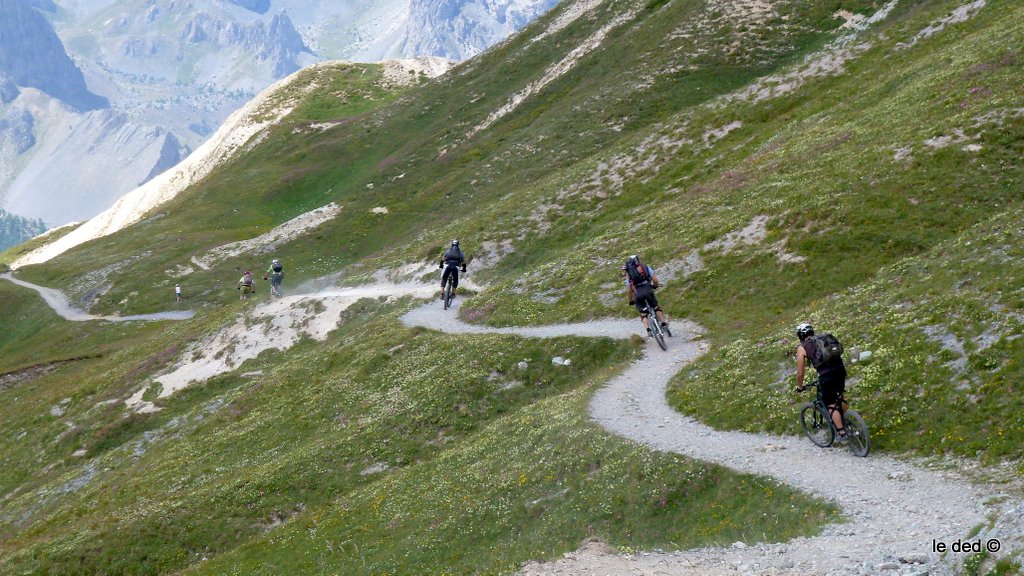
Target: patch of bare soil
(26, 375)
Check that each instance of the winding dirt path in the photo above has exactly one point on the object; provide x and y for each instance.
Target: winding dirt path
(895, 508)
(59, 303)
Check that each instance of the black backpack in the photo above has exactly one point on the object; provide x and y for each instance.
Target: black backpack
(637, 274)
(824, 349)
(453, 254)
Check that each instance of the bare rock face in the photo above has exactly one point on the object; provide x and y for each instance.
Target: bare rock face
(31, 55)
(168, 73)
(460, 29)
(276, 42)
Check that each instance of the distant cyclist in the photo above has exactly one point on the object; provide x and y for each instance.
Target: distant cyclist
(245, 284)
(275, 274)
(451, 262)
(831, 371)
(640, 284)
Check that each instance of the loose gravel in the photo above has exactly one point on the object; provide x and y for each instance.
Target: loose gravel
(895, 511)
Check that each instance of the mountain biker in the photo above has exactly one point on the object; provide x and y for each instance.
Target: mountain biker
(245, 284)
(451, 261)
(276, 274)
(831, 375)
(640, 284)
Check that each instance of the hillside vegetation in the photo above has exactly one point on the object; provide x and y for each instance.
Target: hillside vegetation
(851, 162)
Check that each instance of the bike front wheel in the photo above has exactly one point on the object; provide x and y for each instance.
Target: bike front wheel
(659, 337)
(856, 433)
(816, 425)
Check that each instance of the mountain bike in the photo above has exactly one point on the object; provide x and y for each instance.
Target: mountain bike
(816, 419)
(275, 286)
(449, 290)
(657, 330)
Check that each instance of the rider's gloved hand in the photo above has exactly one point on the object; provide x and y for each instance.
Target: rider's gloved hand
(463, 269)
(631, 302)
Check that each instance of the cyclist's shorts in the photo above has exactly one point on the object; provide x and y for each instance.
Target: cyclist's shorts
(644, 294)
(453, 271)
(833, 384)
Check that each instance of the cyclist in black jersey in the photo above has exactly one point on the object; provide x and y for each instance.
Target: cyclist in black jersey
(452, 260)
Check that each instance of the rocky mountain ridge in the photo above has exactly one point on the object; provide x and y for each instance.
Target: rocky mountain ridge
(171, 72)
(852, 164)
(31, 55)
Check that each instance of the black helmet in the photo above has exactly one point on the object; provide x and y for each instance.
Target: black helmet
(634, 259)
(455, 242)
(804, 330)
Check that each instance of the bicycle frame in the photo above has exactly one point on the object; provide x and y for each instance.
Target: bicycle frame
(857, 434)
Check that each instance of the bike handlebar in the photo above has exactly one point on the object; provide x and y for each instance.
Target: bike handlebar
(809, 385)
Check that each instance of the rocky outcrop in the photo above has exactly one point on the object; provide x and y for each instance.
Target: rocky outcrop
(458, 29)
(276, 42)
(31, 55)
(168, 157)
(282, 46)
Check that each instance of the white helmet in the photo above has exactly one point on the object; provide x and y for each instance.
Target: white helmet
(804, 330)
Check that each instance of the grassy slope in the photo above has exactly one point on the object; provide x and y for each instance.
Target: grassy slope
(944, 331)
(941, 324)
(225, 461)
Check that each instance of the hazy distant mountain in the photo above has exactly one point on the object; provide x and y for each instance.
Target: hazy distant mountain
(147, 81)
(31, 55)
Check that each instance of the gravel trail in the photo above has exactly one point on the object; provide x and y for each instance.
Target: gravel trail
(894, 509)
(59, 303)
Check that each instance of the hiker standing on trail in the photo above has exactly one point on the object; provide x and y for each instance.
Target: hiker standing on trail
(640, 285)
(451, 261)
(276, 274)
(245, 284)
(177, 292)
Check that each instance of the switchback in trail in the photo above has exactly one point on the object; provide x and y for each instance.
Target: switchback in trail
(896, 510)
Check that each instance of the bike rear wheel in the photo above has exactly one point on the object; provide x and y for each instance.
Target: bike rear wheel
(816, 425)
(856, 433)
(447, 295)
